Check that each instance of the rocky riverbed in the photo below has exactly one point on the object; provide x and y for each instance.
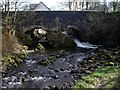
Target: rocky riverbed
(57, 69)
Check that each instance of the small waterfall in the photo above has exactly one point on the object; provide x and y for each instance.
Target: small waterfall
(84, 44)
(64, 32)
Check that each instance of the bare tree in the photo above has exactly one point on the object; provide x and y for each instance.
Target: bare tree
(114, 5)
(70, 4)
(75, 5)
(10, 21)
(82, 5)
(63, 5)
(87, 3)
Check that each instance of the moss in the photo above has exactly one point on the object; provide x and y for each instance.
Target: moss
(110, 63)
(52, 59)
(36, 34)
(40, 47)
(25, 47)
(13, 60)
(61, 52)
(22, 56)
(23, 53)
(8, 61)
(18, 60)
(44, 62)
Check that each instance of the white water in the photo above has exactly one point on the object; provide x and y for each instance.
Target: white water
(64, 32)
(37, 78)
(84, 44)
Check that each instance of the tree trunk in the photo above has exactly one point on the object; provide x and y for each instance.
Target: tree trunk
(114, 6)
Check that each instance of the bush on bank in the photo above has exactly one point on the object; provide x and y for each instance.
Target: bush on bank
(105, 29)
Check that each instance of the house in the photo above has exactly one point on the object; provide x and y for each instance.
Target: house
(39, 7)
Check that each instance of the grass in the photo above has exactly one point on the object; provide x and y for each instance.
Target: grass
(104, 77)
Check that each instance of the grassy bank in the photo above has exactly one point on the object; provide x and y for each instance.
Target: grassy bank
(102, 70)
(105, 77)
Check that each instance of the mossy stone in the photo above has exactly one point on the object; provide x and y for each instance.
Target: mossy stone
(40, 47)
(52, 59)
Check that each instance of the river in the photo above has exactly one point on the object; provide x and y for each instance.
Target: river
(63, 73)
(37, 71)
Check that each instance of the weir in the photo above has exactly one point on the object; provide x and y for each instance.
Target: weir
(85, 44)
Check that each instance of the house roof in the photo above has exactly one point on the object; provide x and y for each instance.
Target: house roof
(33, 6)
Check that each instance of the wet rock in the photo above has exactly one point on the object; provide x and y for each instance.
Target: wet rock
(61, 69)
(74, 71)
(55, 77)
(31, 71)
(46, 88)
(66, 86)
(90, 61)
(58, 56)
(101, 62)
(51, 68)
(56, 88)
(92, 69)
(61, 52)
(80, 63)
(57, 70)
(23, 79)
(82, 70)
(44, 62)
(66, 76)
(87, 71)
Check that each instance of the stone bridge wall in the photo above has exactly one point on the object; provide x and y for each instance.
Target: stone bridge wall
(54, 19)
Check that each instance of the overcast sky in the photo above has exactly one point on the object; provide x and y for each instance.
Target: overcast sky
(52, 4)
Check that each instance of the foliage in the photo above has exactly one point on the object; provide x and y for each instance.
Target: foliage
(10, 49)
(115, 5)
(9, 60)
(104, 29)
(58, 39)
(25, 39)
(13, 53)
